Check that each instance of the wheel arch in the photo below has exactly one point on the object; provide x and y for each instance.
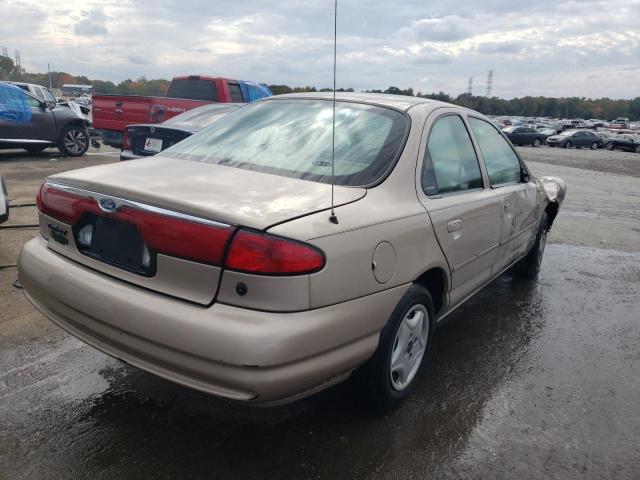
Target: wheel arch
(436, 280)
(552, 211)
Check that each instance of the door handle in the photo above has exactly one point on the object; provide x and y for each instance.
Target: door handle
(455, 226)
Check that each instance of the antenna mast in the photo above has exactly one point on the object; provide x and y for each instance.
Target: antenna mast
(333, 218)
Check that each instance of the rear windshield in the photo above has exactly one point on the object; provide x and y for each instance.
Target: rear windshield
(194, 89)
(200, 117)
(293, 138)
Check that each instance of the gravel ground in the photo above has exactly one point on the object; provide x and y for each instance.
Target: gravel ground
(623, 163)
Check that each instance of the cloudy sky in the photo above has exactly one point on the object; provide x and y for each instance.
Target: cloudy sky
(542, 47)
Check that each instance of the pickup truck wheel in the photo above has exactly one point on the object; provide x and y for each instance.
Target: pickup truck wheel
(537, 142)
(392, 373)
(529, 266)
(74, 141)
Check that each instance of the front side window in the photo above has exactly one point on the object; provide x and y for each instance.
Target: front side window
(293, 138)
(450, 163)
(501, 161)
(48, 96)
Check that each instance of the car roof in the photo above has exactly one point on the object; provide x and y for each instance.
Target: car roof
(399, 102)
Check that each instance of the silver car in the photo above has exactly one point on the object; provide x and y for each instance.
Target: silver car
(219, 264)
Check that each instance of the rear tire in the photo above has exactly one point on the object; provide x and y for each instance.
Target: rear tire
(567, 145)
(637, 148)
(393, 371)
(35, 148)
(609, 146)
(537, 142)
(594, 146)
(529, 266)
(74, 141)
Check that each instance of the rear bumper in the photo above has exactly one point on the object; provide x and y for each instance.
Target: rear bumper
(231, 352)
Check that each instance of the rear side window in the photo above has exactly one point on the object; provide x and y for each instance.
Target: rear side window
(194, 89)
(236, 93)
(501, 161)
(450, 163)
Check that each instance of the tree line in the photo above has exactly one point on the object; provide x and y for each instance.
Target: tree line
(565, 107)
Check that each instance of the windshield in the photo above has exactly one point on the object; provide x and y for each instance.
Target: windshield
(293, 138)
(509, 129)
(200, 117)
(568, 133)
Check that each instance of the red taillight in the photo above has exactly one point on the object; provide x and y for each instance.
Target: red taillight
(127, 138)
(162, 233)
(63, 206)
(270, 255)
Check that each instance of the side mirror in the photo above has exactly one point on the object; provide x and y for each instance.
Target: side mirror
(50, 104)
(4, 202)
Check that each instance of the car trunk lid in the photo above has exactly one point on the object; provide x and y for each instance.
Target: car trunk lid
(164, 224)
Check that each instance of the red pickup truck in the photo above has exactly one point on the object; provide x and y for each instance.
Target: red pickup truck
(112, 113)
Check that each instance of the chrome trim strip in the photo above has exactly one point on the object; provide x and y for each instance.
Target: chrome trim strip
(24, 140)
(122, 202)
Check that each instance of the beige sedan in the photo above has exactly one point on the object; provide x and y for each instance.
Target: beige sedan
(218, 264)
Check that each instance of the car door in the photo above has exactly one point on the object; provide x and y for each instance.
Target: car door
(466, 215)
(516, 189)
(42, 125)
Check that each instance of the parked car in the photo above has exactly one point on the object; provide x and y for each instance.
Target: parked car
(524, 136)
(4, 202)
(575, 138)
(33, 124)
(112, 113)
(43, 93)
(227, 265)
(626, 142)
(150, 139)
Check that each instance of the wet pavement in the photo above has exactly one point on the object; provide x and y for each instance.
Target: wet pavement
(529, 379)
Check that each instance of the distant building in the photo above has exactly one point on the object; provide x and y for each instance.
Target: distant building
(69, 89)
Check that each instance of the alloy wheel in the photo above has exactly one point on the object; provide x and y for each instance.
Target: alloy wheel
(409, 347)
(75, 141)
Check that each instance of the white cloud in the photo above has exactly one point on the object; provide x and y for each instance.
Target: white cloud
(548, 47)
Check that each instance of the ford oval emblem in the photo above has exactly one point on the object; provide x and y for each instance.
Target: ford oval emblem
(107, 204)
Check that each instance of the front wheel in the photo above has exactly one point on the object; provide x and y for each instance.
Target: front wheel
(594, 146)
(567, 145)
(392, 373)
(530, 265)
(637, 148)
(609, 146)
(537, 142)
(74, 141)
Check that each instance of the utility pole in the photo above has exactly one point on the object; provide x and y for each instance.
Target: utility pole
(470, 87)
(49, 68)
(490, 84)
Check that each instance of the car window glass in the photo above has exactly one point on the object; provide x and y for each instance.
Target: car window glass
(236, 93)
(501, 161)
(450, 163)
(293, 138)
(31, 101)
(48, 96)
(38, 92)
